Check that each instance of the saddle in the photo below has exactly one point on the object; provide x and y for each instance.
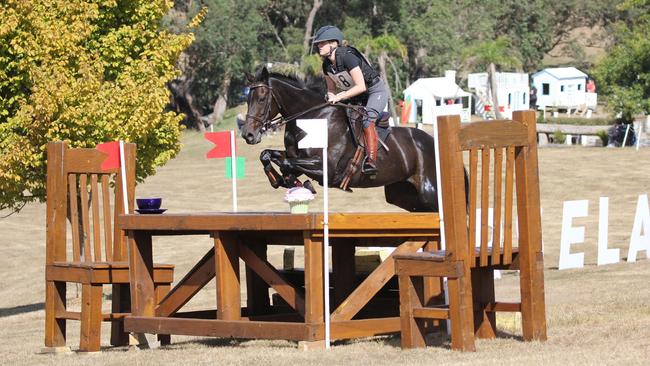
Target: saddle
(355, 123)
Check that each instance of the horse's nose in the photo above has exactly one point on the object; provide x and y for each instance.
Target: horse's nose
(249, 137)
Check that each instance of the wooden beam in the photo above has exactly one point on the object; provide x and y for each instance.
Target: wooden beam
(221, 328)
(269, 274)
(202, 272)
(375, 281)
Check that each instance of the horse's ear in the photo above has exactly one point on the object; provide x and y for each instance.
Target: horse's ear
(249, 77)
(264, 75)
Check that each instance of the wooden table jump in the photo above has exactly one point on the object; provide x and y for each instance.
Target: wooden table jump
(246, 236)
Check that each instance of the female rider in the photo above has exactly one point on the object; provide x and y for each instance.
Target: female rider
(349, 76)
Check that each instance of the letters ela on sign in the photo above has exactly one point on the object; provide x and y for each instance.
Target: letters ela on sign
(639, 238)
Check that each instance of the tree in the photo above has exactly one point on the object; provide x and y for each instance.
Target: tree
(85, 73)
(488, 55)
(226, 46)
(624, 74)
(381, 48)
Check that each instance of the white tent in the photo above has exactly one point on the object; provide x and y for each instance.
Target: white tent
(432, 97)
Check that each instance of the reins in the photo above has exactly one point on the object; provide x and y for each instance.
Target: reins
(281, 120)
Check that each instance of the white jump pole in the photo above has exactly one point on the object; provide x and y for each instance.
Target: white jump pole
(326, 251)
(125, 193)
(233, 166)
(440, 211)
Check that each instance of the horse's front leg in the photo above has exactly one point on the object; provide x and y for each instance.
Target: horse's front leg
(312, 167)
(268, 156)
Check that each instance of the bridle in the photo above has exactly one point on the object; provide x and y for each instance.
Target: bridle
(276, 122)
(264, 120)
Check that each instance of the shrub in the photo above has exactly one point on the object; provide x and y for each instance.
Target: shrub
(559, 137)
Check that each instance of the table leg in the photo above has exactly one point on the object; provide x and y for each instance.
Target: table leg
(257, 291)
(143, 301)
(314, 296)
(227, 276)
(432, 285)
(343, 269)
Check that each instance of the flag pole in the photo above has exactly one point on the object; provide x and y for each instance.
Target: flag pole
(326, 257)
(125, 193)
(233, 166)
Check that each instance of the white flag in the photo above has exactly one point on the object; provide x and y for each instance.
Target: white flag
(316, 130)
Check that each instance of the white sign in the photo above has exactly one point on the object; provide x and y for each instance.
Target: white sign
(571, 234)
(316, 130)
(640, 238)
(605, 255)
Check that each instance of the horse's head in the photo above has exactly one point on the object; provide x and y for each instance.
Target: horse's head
(262, 106)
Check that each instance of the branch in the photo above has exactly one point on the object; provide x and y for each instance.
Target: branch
(309, 25)
(277, 36)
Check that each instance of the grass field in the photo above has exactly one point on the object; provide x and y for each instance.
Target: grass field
(595, 315)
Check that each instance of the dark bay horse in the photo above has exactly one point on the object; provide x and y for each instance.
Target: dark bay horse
(406, 169)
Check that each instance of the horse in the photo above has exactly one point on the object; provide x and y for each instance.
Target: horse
(406, 162)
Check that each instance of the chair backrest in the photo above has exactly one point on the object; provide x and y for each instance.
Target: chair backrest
(502, 177)
(84, 200)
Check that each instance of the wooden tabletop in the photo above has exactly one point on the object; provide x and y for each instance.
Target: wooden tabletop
(270, 221)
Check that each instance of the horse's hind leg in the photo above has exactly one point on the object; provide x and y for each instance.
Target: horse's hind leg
(404, 195)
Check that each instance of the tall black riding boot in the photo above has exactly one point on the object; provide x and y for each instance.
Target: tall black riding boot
(370, 163)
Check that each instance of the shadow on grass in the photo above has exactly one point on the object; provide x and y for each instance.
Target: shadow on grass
(21, 309)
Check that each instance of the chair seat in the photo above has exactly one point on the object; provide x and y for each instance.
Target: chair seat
(103, 272)
(442, 255)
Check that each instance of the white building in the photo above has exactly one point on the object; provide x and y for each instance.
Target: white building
(428, 98)
(512, 92)
(562, 87)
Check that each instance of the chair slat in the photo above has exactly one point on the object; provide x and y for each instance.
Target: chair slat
(485, 204)
(509, 192)
(74, 217)
(94, 196)
(496, 234)
(108, 235)
(485, 135)
(85, 221)
(473, 172)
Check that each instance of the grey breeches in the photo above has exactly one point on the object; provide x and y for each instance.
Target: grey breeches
(377, 101)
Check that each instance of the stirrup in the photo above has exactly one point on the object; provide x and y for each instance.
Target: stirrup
(369, 169)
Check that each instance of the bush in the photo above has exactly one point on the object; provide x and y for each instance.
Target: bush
(559, 137)
(604, 137)
(86, 73)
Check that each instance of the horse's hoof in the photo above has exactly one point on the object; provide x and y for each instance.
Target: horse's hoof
(309, 186)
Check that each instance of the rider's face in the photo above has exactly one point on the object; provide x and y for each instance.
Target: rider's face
(325, 47)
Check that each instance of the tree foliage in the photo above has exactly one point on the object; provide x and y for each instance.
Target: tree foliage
(624, 74)
(435, 35)
(84, 72)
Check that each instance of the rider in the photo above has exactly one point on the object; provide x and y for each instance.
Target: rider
(349, 72)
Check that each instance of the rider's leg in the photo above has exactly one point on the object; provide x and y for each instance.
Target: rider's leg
(377, 101)
(370, 164)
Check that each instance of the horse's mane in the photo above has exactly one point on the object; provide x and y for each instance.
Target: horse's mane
(294, 77)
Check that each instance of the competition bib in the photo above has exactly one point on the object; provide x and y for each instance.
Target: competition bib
(343, 80)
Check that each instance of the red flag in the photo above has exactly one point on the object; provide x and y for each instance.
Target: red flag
(222, 142)
(112, 149)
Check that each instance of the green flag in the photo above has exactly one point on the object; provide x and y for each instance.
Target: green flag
(240, 167)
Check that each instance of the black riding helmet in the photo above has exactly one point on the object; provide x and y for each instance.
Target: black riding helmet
(328, 33)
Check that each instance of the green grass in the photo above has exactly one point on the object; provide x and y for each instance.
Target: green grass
(229, 118)
(578, 121)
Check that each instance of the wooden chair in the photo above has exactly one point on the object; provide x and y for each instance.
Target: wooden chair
(511, 188)
(78, 191)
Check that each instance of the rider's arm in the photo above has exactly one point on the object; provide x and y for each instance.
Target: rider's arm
(358, 88)
(331, 87)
